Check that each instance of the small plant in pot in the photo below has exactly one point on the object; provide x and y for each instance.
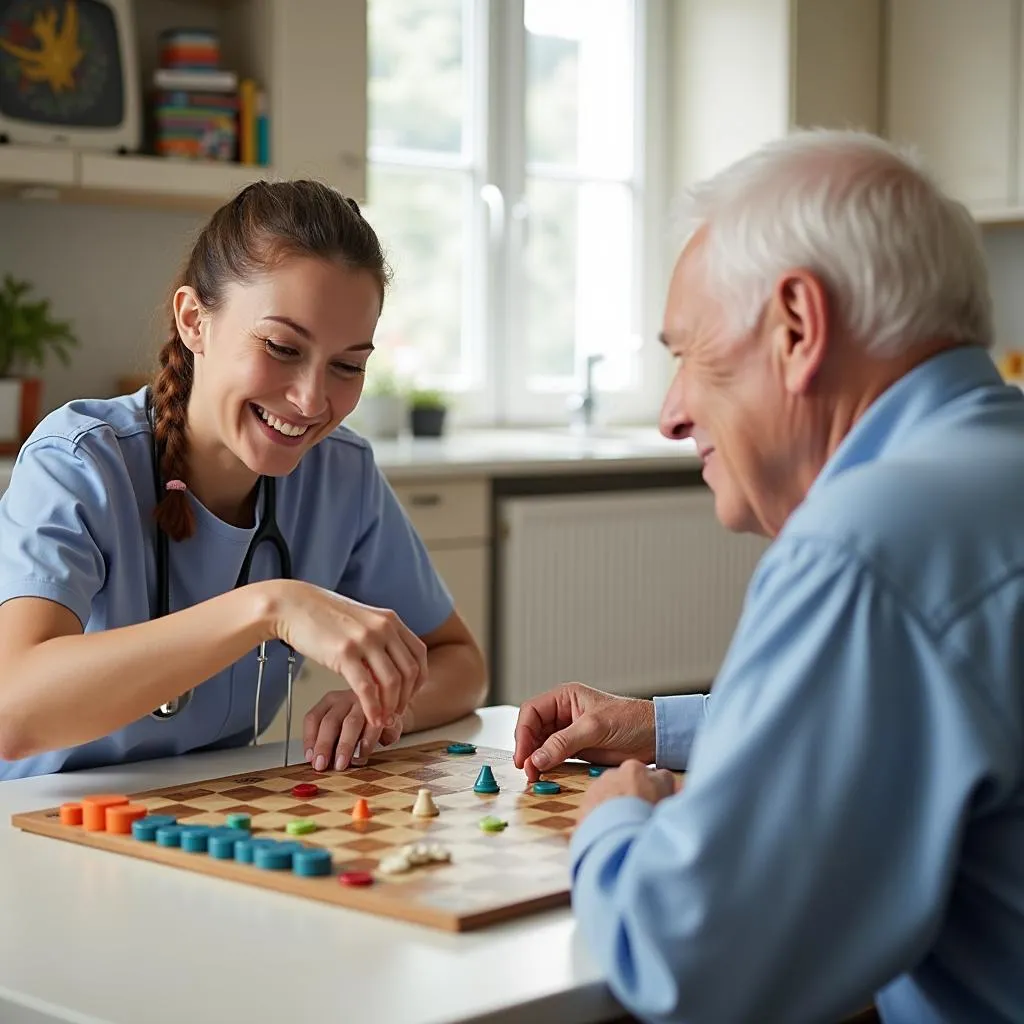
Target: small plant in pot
(28, 335)
(427, 411)
(381, 411)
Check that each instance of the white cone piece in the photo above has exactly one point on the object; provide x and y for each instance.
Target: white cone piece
(424, 806)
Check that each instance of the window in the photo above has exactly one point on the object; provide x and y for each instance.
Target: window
(508, 181)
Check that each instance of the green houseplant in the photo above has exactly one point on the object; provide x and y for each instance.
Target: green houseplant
(427, 411)
(29, 334)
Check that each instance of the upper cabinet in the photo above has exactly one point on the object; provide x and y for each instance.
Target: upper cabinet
(953, 72)
(308, 57)
(746, 71)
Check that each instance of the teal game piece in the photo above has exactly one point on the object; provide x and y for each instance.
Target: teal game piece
(276, 856)
(311, 862)
(485, 781)
(245, 849)
(168, 835)
(595, 769)
(221, 842)
(194, 838)
(144, 829)
(545, 787)
(461, 748)
(238, 821)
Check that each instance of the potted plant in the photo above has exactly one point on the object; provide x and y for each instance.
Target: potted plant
(381, 410)
(427, 411)
(28, 334)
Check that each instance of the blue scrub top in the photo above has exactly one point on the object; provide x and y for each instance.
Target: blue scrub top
(76, 527)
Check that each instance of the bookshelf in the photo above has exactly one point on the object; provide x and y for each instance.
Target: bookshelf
(309, 57)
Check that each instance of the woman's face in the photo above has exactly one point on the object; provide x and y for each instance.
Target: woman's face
(281, 362)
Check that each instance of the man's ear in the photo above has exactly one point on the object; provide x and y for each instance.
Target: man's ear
(188, 315)
(801, 333)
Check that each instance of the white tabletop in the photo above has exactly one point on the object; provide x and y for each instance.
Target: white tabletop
(89, 936)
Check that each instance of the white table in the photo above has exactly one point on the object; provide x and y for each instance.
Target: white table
(90, 937)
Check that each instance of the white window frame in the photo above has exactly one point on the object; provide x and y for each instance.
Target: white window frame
(494, 392)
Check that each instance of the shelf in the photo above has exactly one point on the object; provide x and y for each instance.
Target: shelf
(93, 177)
(36, 165)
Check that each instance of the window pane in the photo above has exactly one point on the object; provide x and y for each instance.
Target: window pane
(416, 88)
(419, 216)
(579, 258)
(579, 84)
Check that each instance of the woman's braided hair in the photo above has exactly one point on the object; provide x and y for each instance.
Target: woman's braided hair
(265, 222)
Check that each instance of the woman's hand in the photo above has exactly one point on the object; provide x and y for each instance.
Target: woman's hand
(380, 658)
(334, 727)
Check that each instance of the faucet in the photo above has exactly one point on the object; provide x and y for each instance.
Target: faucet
(583, 403)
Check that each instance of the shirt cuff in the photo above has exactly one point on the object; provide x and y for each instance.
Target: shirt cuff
(627, 813)
(676, 721)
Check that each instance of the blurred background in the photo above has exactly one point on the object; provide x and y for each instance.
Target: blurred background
(519, 159)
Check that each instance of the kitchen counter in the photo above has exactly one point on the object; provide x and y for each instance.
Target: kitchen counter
(520, 452)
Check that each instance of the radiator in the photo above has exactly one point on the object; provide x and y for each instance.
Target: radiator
(635, 593)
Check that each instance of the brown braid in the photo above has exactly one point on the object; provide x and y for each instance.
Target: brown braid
(264, 223)
(171, 389)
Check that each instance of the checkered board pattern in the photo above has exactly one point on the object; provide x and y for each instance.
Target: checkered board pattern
(492, 876)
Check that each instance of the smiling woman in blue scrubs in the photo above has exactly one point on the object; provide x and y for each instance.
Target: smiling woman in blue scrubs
(271, 327)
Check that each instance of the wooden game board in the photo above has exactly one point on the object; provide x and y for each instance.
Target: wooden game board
(492, 876)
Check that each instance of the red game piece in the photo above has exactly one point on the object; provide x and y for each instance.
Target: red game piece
(304, 790)
(355, 878)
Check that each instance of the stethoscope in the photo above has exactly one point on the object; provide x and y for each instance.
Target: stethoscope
(266, 530)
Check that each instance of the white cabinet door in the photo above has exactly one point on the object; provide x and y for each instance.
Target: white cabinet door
(317, 74)
(951, 69)
(466, 572)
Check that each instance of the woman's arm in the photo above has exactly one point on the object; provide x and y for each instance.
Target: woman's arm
(56, 681)
(456, 681)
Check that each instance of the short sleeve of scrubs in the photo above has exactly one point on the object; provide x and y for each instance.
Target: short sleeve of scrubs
(390, 566)
(54, 522)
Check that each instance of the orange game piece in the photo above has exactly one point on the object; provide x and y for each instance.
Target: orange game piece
(121, 816)
(361, 810)
(94, 810)
(71, 814)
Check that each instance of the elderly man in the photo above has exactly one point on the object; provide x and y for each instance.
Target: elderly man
(852, 822)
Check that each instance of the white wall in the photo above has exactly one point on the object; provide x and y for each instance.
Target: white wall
(1005, 250)
(107, 269)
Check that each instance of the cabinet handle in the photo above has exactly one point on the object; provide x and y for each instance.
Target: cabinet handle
(425, 500)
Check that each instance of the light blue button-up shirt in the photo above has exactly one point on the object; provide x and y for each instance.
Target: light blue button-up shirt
(852, 824)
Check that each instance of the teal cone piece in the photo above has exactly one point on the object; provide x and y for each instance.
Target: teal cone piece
(485, 781)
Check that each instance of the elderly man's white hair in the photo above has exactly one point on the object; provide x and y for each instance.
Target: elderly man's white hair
(902, 261)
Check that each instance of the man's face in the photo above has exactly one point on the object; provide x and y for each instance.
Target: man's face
(728, 394)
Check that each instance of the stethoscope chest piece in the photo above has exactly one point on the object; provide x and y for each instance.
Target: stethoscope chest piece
(172, 707)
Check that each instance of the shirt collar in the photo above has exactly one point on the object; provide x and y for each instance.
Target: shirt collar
(910, 401)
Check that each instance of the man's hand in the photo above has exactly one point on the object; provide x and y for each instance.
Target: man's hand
(630, 779)
(578, 721)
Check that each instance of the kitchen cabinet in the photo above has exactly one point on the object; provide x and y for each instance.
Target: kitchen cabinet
(743, 72)
(954, 90)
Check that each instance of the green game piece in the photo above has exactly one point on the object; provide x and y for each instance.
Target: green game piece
(595, 770)
(485, 781)
(300, 828)
(544, 787)
(237, 821)
(461, 748)
(492, 824)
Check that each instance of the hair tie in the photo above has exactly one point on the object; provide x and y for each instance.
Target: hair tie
(175, 485)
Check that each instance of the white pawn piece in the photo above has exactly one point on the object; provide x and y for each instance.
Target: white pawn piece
(417, 853)
(396, 864)
(438, 853)
(425, 806)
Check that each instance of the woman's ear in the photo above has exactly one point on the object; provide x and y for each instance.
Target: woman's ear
(188, 315)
